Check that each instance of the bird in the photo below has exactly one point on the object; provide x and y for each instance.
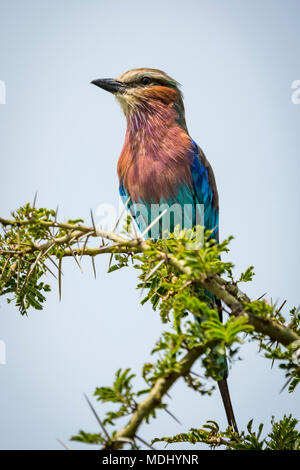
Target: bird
(160, 164)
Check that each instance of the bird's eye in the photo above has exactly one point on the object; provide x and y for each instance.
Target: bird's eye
(145, 81)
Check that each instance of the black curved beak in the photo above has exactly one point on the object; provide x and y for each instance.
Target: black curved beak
(109, 84)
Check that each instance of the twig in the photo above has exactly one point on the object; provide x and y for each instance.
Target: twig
(144, 442)
(63, 444)
(97, 417)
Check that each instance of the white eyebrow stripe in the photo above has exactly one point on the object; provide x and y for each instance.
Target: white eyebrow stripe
(137, 74)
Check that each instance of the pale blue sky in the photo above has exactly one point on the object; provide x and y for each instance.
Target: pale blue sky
(61, 136)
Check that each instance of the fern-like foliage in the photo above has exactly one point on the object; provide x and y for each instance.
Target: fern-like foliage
(181, 279)
(283, 436)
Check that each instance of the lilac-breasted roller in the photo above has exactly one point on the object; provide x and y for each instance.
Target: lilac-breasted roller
(160, 163)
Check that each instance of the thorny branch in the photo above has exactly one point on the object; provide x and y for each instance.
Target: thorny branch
(28, 238)
(226, 291)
